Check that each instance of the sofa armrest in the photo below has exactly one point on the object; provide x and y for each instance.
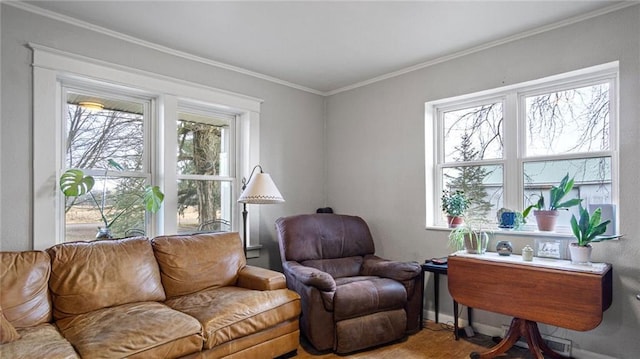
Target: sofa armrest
(257, 278)
(310, 276)
(400, 271)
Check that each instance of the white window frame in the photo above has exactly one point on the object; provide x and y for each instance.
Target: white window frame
(52, 68)
(514, 150)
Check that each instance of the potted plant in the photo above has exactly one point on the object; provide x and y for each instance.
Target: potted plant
(470, 236)
(74, 183)
(546, 217)
(587, 229)
(454, 204)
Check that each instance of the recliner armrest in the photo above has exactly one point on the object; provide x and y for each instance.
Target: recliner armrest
(400, 271)
(257, 278)
(310, 276)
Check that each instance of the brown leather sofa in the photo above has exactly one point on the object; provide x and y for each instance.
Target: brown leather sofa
(172, 296)
(351, 299)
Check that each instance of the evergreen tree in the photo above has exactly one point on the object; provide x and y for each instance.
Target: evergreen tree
(470, 179)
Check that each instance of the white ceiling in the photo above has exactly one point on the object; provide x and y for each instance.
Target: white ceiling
(323, 47)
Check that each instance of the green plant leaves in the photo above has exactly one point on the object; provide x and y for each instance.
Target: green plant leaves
(588, 228)
(153, 198)
(74, 183)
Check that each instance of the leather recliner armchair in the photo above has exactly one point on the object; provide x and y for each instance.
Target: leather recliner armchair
(351, 298)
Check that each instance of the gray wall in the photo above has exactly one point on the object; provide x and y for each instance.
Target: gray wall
(375, 152)
(291, 138)
(370, 160)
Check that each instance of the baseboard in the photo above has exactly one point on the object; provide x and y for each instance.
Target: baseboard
(497, 332)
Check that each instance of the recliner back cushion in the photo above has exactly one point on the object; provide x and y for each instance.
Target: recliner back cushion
(86, 276)
(323, 236)
(24, 293)
(337, 267)
(191, 263)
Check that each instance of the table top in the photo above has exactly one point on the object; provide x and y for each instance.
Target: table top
(561, 297)
(598, 268)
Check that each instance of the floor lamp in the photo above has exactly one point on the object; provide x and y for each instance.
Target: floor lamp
(258, 189)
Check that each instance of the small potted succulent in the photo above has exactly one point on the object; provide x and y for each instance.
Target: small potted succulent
(546, 217)
(454, 204)
(588, 228)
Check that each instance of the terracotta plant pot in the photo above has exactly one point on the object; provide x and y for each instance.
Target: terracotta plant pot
(546, 220)
(580, 254)
(454, 221)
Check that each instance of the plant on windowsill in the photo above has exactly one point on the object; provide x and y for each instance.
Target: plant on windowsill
(454, 204)
(472, 236)
(546, 217)
(587, 229)
(74, 183)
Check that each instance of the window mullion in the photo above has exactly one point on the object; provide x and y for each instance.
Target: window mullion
(513, 150)
(168, 174)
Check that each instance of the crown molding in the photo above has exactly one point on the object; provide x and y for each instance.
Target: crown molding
(99, 29)
(488, 45)
(73, 21)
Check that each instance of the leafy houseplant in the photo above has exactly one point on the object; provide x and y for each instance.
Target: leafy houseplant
(469, 236)
(74, 183)
(546, 217)
(454, 204)
(587, 229)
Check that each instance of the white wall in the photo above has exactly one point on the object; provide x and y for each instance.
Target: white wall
(375, 156)
(291, 122)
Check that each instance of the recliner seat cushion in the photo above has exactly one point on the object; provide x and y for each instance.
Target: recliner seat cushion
(228, 313)
(337, 267)
(367, 296)
(145, 329)
(87, 276)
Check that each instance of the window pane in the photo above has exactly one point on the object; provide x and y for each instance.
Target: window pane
(482, 184)
(95, 135)
(473, 133)
(203, 145)
(592, 178)
(121, 203)
(102, 131)
(570, 121)
(204, 206)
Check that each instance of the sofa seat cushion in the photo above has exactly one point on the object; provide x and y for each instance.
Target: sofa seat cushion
(145, 329)
(227, 313)
(369, 295)
(36, 340)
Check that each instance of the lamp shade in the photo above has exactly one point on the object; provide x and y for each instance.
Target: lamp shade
(261, 190)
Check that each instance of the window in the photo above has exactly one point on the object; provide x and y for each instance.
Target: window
(196, 143)
(203, 171)
(504, 147)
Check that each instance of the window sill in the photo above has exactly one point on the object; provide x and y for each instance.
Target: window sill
(515, 233)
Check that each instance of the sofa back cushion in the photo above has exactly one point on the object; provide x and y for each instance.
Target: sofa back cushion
(24, 279)
(86, 276)
(190, 263)
(323, 236)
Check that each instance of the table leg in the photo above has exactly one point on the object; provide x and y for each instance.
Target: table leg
(520, 327)
(436, 290)
(455, 320)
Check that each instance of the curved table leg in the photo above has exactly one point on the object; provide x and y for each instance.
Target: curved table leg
(520, 327)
